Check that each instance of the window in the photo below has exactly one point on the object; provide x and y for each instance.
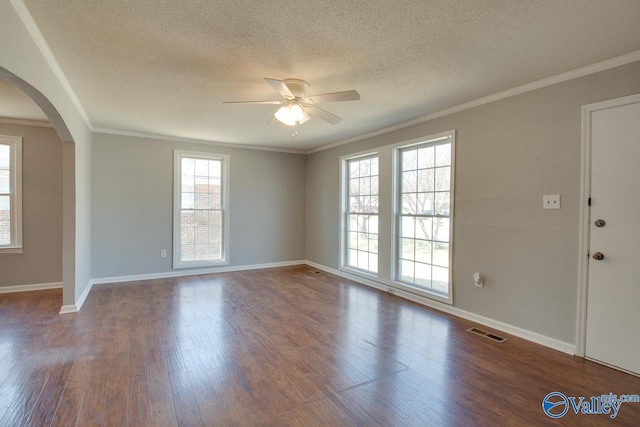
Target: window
(10, 193)
(200, 229)
(424, 205)
(360, 224)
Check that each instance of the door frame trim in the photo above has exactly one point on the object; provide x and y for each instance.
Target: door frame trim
(585, 213)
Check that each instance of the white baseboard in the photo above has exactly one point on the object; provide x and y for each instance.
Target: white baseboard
(74, 308)
(67, 309)
(26, 288)
(194, 272)
(535, 337)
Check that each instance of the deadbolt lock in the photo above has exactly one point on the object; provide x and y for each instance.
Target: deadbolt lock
(600, 223)
(598, 256)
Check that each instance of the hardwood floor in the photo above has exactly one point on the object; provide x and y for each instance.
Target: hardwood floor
(284, 346)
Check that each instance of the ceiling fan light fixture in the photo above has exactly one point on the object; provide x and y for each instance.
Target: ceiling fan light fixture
(292, 114)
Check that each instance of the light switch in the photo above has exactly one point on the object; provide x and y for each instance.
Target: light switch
(551, 201)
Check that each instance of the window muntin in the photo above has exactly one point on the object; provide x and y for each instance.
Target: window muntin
(10, 192)
(361, 214)
(200, 204)
(423, 243)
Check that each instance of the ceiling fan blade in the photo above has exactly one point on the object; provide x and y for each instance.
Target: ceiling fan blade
(347, 95)
(280, 87)
(254, 102)
(322, 114)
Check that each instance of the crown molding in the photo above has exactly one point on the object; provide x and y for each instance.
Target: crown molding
(538, 84)
(193, 140)
(38, 38)
(26, 122)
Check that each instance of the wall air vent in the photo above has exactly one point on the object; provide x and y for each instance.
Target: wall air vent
(486, 334)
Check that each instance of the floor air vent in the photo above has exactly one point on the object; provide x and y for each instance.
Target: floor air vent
(486, 334)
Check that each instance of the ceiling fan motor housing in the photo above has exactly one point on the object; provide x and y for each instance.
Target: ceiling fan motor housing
(297, 87)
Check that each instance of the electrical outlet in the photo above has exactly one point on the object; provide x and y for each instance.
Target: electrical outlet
(163, 253)
(551, 201)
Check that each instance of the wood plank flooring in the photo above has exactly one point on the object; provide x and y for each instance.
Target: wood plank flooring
(284, 346)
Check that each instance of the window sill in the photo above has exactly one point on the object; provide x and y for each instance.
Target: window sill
(362, 273)
(177, 265)
(10, 250)
(436, 296)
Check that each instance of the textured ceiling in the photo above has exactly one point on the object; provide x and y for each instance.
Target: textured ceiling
(15, 104)
(165, 67)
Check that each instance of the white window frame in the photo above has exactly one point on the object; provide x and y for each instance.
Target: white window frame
(344, 212)
(15, 193)
(397, 203)
(177, 193)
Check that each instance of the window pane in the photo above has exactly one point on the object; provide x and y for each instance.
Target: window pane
(410, 182)
(424, 228)
(441, 254)
(373, 244)
(352, 240)
(187, 252)
(5, 220)
(443, 179)
(215, 168)
(440, 279)
(407, 227)
(423, 251)
(373, 224)
(443, 155)
(425, 204)
(188, 183)
(406, 270)
(5, 183)
(407, 248)
(426, 180)
(423, 275)
(214, 185)
(373, 204)
(363, 260)
(409, 160)
(215, 218)
(373, 262)
(409, 204)
(363, 242)
(365, 186)
(354, 187)
(426, 157)
(354, 169)
(352, 258)
(215, 201)
(442, 203)
(202, 167)
(374, 185)
(441, 229)
(374, 166)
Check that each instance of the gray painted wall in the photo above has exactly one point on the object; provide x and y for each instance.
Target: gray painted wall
(132, 205)
(508, 154)
(41, 259)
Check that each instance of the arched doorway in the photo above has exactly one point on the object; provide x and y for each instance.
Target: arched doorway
(68, 184)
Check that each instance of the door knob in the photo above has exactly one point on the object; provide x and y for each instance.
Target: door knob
(599, 223)
(598, 256)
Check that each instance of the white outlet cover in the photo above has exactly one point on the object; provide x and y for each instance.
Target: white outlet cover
(551, 201)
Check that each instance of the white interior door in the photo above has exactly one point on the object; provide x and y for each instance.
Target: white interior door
(613, 299)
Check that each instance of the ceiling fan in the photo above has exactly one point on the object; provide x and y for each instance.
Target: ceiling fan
(298, 108)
